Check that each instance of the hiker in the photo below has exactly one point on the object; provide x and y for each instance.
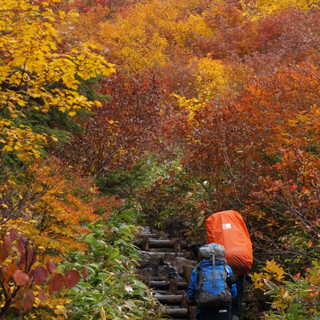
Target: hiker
(229, 229)
(212, 284)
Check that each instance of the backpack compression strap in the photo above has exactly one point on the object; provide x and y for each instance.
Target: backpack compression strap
(213, 269)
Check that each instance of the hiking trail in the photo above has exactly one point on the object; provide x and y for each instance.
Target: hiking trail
(166, 267)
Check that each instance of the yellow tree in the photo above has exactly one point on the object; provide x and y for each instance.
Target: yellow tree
(38, 73)
(145, 35)
(260, 8)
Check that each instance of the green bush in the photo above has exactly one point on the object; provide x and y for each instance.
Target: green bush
(110, 290)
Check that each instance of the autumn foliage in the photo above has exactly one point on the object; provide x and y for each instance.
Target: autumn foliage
(239, 111)
(22, 277)
(44, 205)
(220, 98)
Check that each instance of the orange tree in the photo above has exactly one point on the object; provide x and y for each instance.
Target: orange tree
(257, 152)
(247, 161)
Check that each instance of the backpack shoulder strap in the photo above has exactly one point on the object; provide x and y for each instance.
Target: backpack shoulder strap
(200, 279)
(226, 274)
(227, 270)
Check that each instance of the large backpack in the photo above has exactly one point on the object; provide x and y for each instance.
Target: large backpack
(212, 289)
(228, 228)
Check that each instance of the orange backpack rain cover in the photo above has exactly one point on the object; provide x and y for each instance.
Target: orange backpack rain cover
(228, 228)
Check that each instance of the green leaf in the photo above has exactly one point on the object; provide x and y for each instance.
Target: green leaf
(272, 287)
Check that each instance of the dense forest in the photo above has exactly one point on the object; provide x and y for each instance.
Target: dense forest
(120, 113)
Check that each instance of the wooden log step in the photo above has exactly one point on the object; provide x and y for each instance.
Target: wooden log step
(165, 291)
(183, 285)
(159, 284)
(163, 250)
(162, 284)
(157, 254)
(141, 242)
(150, 235)
(163, 243)
(159, 291)
(156, 243)
(146, 243)
(177, 313)
(169, 298)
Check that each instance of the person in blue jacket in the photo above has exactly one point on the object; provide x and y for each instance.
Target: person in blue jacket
(222, 312)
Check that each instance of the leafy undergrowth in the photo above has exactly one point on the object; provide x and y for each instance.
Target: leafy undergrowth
(109, 289)
(292, 297)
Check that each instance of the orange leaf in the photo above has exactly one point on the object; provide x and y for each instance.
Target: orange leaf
(12, 268)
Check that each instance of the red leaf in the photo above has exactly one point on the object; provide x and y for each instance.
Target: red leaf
(42, 296)
(22, 260)
(40, 274)
(72, 277)
(7, 243)
(19, 303)
(21, 244)
(56, 284)
(20, 278)
(85, 272)
(3, 253)
(28, 300)
(50, 266)
(4, 275)
(13, 234)
(30, 257)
